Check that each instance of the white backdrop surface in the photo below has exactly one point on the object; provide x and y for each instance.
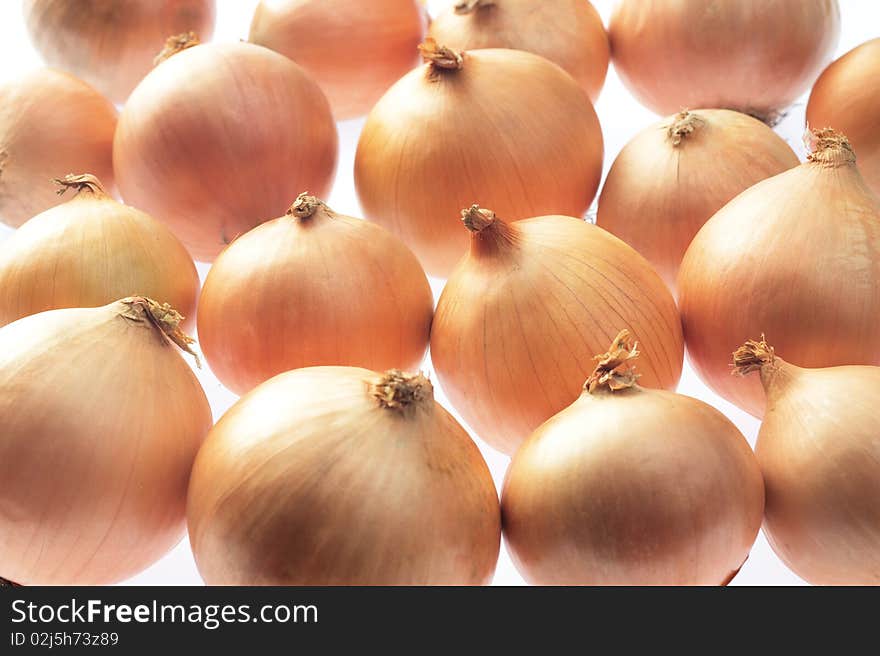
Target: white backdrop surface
(621, 118)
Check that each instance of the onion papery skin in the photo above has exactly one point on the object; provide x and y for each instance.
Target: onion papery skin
(751, 56)
(796, 256)
(846, 97)
(567, 32)
(673, 176)
(316, 290)
(189, 151)
(50, 124)
(820, 457)
(91, 251)
(523, 314)
(439, 139)
(311, 480)
(111, 45)
(634, 487)
(354, 52)
(100, 421)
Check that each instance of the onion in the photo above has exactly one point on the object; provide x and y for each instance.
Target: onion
(342, 476)
(111, 45)
(797, 255)
(89, 252)
(673, 176)
(819, 452)
(630, 486)
(219, 138)
(753, 56)
(505, 126)
(521, 317)
(567, 32)
(50, 124)
(354, 52)
(847, 98)
(100, 421)
(313, 288)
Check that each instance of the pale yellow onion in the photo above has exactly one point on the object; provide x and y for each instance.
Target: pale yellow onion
(674, 175)
(797, 256)
(91, 251)
(111, 43)
(819, 451)
(342, 476)
(523, 314)
(567, 32)
(353, 50)
(313, 288)
(505, 126)
(51, 124)
(752, 56)
(632, 486)
(100, 421)
(846, 97)
(219, 137)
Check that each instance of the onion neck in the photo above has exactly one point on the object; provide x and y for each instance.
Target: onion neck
(829, 148)
(85, 182)
(440, 58)
(469, 6)
(175, 44)
(308, 208)
(614, 373)
(402, 392)
(162, 317)
(761, 357)
(683, 125)
(489, 234)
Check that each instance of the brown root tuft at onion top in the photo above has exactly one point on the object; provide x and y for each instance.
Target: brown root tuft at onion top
(614, 371)
(400, 391)
(752, 356)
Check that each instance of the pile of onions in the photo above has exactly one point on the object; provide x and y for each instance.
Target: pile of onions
(50, 124)
(847, 97)
(630, 486)
(673, 176)
(797, 256)
(525, 311)
(567, 32)
(752, 56)
(89, 252)
(101, 420)
(219, 137)
(820, 456)
(313, 288)
(111, 45)
(353, 52)
(342, 476)
(504, 126)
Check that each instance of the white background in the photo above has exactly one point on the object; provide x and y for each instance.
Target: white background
(621, 118)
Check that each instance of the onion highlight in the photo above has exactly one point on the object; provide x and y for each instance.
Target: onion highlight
(504, 126)
(100, 421)
(567, 32)
(798, 256)
(342, 476)
(632, 486)
(524, 312)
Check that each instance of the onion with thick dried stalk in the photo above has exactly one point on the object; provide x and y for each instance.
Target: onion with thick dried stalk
(797, 256)
(342, 476)
(354, 52)
(50, 124)
(523, 313)
(819, 450)
(313, 288)
(846, 97)
(751, 56)
(100, 421)
(567, 32)
(504, 126)
(91, 251)
(111, 44)
(632, 486)
(674, 175)
(219, 137)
